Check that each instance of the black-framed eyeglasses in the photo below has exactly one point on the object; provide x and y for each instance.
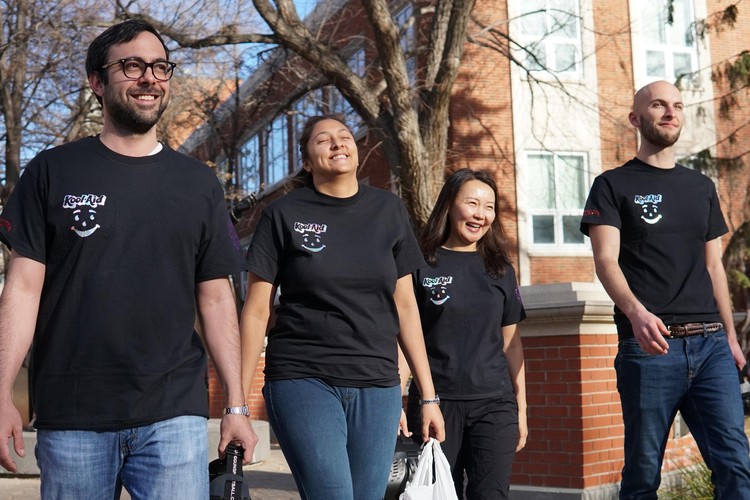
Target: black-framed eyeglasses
(135, 68)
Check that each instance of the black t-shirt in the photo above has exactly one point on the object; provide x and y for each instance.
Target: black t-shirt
(336, 261)
(124, 241)
(665, 218)
(463, 310)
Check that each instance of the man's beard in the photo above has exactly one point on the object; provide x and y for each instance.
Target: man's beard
(657, 137)
(130, 119)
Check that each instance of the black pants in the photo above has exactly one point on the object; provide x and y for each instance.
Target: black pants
(480, 441)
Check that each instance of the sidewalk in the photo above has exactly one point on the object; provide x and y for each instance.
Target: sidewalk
(269, 479)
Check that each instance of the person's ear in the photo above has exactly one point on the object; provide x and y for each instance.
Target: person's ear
(96, 83)
(634, 119)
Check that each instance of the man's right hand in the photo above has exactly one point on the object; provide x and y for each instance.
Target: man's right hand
(10, 428)
(649, 331)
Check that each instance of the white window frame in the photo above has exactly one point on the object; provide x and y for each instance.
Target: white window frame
(553, 38)
(557, 213)
(674, 42)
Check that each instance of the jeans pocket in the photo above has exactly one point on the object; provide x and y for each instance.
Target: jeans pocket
(629, 348)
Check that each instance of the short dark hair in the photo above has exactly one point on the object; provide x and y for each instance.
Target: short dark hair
(123, 32)
(492, 247)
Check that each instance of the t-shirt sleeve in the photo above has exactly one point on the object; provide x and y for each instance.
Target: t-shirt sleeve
(406, 252)
(601, 207)
(264, 254)
(22, 222)
(220, 252)
(717, 226)
(513, 310)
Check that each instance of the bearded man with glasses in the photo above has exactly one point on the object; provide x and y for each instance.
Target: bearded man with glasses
(117, 243)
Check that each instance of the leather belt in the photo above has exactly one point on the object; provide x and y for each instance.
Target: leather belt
(688, 329)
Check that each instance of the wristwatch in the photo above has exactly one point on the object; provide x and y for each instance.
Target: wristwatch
(435, 401)
(237, 410)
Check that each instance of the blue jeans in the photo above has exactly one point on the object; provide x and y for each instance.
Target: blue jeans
(168, 459)
(338, 441)
(699, 378)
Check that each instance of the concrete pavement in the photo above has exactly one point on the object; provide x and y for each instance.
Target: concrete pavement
(269, 479)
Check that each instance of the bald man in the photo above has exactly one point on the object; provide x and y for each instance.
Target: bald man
(655, 228)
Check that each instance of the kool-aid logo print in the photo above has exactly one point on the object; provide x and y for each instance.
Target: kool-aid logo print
(84, 212)
(650, 207)
(312, 239)
(438, 288)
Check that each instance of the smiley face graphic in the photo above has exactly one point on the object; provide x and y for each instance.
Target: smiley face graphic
(312, 242)
(439, 295)
(650, 213)
(84, 222)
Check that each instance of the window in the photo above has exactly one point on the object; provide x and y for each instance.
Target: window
(551, 36)
(669, 38)
(557, 193)
(248, 173)
(277, 150)
(358, 63)
(404, 19)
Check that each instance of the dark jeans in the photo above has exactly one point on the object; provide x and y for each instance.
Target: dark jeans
(480, 440)
(699, 378)
(338, 441)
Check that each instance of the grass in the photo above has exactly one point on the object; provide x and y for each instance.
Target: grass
(694, 481)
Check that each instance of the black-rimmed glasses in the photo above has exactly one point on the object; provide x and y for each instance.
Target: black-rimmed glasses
(135, 68)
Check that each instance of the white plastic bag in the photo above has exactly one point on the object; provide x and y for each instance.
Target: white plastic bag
(424, 485)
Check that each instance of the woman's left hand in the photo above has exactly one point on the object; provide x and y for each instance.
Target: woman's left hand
(433, 424)
(523, 431)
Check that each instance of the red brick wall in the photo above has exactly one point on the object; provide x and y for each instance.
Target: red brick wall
(734, 177)
(614, 65)
(561, 269)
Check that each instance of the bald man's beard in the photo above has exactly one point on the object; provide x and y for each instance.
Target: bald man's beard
(658, 137)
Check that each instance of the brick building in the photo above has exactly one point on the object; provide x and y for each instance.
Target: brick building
(541, 101)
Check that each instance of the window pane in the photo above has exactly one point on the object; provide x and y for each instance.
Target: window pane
(248, 175)
(571, 232)
(654, 20)
(563, 18)
(542, 185)
(357, 62)
(277, 151)
(655, 63)
(682, 25)
(565, 58)
(570, 185)
(533, 18)
(682, 64)
(544, 228)
(536, 59)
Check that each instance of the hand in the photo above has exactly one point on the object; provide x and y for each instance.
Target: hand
(237, 429)
(649, 332)
(10, 428)
(523, 431)
(737, 354)
(403, 426)
(432, 423)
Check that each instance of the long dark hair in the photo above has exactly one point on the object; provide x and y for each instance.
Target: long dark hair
(303, 177)
(493, 245)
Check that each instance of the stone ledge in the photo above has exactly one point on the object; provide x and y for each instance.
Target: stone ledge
(27, 465)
